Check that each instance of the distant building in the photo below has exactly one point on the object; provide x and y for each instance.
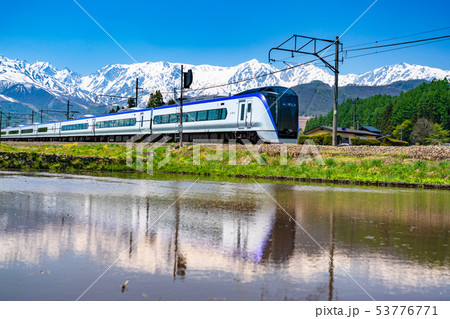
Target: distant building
(370, 129)
(345, 133)
(302, 121)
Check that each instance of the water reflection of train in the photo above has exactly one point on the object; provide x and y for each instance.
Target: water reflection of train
(228, 229)
(269, 114)
(240, 232)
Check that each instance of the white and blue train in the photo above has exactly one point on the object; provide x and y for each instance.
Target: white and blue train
(269, 114)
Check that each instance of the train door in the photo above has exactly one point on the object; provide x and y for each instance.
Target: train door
(151, 121)
(141, 122)
(242, 114)
(56, 130)
(248, 115)
(93, 126)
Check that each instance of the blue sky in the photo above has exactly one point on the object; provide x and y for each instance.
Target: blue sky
(212, 32)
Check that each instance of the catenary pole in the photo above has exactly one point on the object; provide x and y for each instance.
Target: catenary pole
(1, 125)
(181, 108)
(137, 90)
(336, 83)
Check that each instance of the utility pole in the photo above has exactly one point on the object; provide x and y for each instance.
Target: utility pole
(137, 91)
(67, 113)
(181, 106)
(336, 80)
(32, 117)
(1, 126)
(354, 114)
(315, 47)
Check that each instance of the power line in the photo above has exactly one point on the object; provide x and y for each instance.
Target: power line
(409, 46)
(441, 38)
(259, 76)
(399, 43)
(400, 37)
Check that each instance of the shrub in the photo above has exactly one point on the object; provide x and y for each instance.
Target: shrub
(393, 142)
(319, 139)
(303, 138)
(359, 141)
(330, 162)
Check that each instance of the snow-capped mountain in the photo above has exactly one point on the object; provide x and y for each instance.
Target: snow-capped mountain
(394, 73)
(20, 81)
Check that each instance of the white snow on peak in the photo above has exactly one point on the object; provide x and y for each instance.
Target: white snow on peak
(119, 79)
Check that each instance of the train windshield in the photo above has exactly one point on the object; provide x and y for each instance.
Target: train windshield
(283, 106)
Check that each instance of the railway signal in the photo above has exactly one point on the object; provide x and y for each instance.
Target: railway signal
(186, 81)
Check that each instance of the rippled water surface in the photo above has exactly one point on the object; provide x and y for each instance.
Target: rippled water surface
(219, 240)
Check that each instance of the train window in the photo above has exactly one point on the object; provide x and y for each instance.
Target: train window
(3, 133)
(73, 127)
(174, 118)
(42, 129)
(28, 131)
(206, 115)
(213, 114)
(223, 114)
(113, 123)
(202, 115)
(142, 120)
(14, 132)
(249, 107)
(242, 111)
(191, 117)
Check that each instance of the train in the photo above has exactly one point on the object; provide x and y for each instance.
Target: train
(268, 114)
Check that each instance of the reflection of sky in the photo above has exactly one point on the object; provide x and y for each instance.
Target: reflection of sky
(226, 233)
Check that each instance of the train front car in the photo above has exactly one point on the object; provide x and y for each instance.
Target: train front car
(282, 105)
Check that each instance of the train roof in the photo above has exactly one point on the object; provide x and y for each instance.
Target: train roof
(273, 89)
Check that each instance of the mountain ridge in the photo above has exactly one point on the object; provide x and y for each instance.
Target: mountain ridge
(119, 79)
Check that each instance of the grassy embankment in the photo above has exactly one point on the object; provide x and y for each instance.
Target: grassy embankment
(362, 164)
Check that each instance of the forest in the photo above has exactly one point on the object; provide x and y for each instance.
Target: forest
(419, 116)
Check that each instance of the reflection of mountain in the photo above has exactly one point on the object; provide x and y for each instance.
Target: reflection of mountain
(228, 228)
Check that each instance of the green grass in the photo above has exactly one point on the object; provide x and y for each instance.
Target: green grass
(338, 166)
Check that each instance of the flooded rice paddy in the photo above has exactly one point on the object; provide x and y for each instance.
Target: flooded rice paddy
(218, 240)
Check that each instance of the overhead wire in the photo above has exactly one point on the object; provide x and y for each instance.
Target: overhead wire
(260, 75)
(409, 46)
(399, 37)
(396, 44)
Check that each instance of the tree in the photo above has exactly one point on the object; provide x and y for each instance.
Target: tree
(131, 102)
(403, 131)
(384, 123)
(114, 110)
(438, 135)
(422, 131)
(155, 100)
(171, 102)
